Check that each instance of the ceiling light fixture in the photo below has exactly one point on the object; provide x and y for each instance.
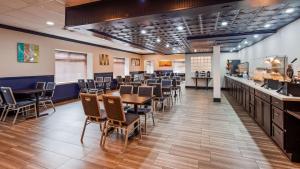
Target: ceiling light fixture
(246, 42)
(180, 28)
(267, 25)
(289, 10)
(174, 48)
(195, 50)
(167, 45)
(224, 23)
(158, 40)
(50, 23)
(239, 46)
(143, 31)
(256, 36)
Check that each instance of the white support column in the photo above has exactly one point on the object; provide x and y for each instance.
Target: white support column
(216, 74)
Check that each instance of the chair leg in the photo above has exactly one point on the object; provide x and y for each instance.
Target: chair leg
(35, 110)
(153, 118)
(145, 126)
(103, 133)
(2, 113)
(126, 139)
(140, 133)
(13, 123)
(4, 118)
(53, 105)
(83, 131)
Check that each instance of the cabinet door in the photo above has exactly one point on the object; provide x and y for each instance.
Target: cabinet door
(258, 111)
(247, 100)
(266, 107)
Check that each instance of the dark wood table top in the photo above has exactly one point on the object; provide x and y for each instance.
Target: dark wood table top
(129, 98)
(28, 91)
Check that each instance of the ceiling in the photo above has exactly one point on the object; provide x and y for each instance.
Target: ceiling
(232, 24)
(33, 15)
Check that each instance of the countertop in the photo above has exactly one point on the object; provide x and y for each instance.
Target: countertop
(270, 92)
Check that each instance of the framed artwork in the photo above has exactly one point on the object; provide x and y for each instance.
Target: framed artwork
(27, 53)
(103, 59)
(165, 63)
(135, 62)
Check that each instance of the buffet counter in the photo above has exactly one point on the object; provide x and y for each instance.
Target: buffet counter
(278, 115)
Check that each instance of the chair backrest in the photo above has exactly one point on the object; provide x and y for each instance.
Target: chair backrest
(157, 91)
(91, 83)
(126, 89)
(91, 105)
(127, 78)
(165, 82)
(107, 79)
(50, 88)
(8, 96)
(1, 100)
(81, 84)
(119, 78)
(40, 85)
(177, 78)
(145, 91)
(114, 108)
(99, 79)
(149, 81)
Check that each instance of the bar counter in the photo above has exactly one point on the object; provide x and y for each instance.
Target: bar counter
(277, 114)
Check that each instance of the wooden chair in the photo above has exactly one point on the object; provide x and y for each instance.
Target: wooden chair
(116, 118)
(92, 111)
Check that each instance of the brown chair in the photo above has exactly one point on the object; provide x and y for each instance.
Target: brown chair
(116, 118)
(92, 111)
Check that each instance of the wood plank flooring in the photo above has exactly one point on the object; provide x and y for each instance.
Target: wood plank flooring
(196, 133)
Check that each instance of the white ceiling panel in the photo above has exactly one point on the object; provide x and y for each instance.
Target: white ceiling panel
(33, 15)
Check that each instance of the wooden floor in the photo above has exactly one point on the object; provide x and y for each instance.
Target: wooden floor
(196, 133)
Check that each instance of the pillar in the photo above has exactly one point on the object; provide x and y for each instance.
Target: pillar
(216, 74)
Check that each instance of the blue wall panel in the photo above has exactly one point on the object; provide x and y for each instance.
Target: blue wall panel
(62, 91)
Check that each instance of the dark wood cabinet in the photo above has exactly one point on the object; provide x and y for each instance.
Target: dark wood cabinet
(258, 115)
(279, 118)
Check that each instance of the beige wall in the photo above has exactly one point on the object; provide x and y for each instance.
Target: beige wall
(157, 58)
(9, 67)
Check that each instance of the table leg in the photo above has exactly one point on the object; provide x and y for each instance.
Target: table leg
(104, 90)
(206, 84)
(196, 83)
(37, 103)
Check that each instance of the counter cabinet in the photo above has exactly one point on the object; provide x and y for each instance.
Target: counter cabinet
(271, 114)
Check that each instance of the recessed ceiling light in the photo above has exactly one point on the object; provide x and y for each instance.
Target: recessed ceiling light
(239, 46)
(158, 40)
(267, 25)
(180, 28)
(224, 23)
(289, 10)
(256, 36)
(195, 50)
(143, 31)
(167, 45)
(246, 42)
(50, 23)
(174, 48)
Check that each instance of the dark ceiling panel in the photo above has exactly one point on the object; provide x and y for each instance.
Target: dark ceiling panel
(200, 21)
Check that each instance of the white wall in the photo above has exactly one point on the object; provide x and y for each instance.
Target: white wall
(284, 42)
(223, 61)
(9, 67)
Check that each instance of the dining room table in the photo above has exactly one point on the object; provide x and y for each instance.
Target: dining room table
(31, 92)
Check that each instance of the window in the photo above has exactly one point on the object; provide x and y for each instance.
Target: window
(70, 66)
(179, 66)
(149, 66)
(201, 63)
(119, 67)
